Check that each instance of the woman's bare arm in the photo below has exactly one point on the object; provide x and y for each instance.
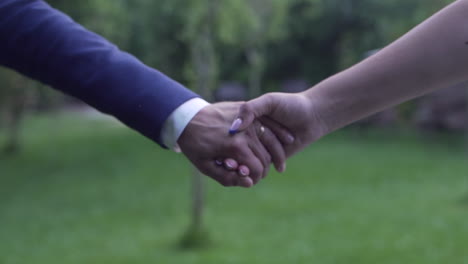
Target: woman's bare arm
(431, 56)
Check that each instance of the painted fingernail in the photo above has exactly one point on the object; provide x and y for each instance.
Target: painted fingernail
(290, 138)
(244, 171)
(219, 162)
(230, 164)
(235, 126)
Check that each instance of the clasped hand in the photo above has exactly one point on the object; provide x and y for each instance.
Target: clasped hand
(266, 130)
(233, 160)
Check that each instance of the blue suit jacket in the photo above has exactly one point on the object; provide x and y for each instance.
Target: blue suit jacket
(45, 44)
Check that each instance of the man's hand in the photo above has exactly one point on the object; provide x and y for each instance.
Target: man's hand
(207, 144)
(295, 113)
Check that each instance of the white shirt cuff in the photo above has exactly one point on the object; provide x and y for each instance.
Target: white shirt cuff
(178, 120)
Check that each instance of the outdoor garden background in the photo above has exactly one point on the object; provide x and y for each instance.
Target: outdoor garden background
(78, 187)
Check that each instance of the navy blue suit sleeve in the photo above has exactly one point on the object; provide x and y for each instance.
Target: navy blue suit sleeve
(45, 44)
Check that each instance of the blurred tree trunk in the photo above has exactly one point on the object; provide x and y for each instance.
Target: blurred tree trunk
(16, 98)
(13, 116)
(197, 200)
(465, 199)
(203, 56)
(205, 70)
(256, 39)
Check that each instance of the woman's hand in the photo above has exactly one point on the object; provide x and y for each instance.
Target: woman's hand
(284, 112)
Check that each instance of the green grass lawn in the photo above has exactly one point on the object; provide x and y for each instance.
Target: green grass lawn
(84, 191)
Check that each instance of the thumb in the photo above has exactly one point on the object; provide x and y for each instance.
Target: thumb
(251, 110)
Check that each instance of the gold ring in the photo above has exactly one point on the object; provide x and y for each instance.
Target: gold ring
(262, 130)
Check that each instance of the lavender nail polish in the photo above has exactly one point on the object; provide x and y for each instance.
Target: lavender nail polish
(244, 172)
(235, 126)
(230, 164)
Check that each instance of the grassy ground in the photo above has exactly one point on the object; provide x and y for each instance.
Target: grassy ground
(88, 192)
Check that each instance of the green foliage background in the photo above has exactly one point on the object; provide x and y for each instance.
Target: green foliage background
(291, 39)
(308, 39)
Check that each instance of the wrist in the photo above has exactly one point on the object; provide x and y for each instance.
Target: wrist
(315, 107)
(177, 122)
(339, 100)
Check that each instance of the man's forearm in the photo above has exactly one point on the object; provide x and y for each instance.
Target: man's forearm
(433, 55)
(47, 45)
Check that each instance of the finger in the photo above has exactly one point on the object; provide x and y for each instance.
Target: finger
(231, 164)
(220, 174)
(245, 182)
(257, 147)
(244, 171)
(238, 149)
(275, 148)
(244, 179)
(249, 160)
(260, 153)
(281, 132)
(251, 110)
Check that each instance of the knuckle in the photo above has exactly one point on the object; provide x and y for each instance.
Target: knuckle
(235, 146)
(268, 98)
(246, 109)
(230, 148)
(238, 141)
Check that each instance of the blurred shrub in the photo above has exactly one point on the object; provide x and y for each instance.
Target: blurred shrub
(259, 43)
